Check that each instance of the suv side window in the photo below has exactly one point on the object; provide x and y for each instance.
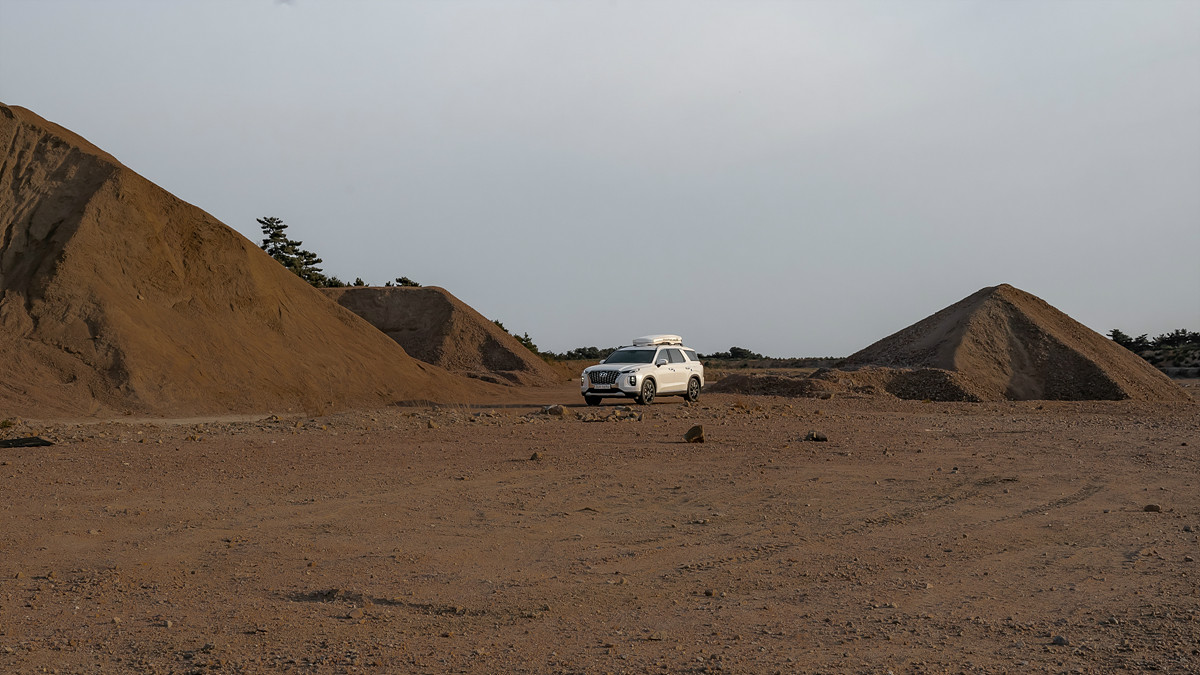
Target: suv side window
(675, 355)
(691, 354)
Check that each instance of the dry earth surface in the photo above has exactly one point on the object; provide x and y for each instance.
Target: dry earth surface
(920, 537)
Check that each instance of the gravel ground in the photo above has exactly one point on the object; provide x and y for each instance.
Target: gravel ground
(920, 537)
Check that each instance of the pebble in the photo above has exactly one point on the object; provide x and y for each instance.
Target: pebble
(1059, 640)
(695, 434)
(816, 436)
(356, 613)
(1152, 508)
(535, 457)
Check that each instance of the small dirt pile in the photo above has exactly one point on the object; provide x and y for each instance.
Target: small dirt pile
(116, 297)
(1003, 343)
(920, 384)
(438, 328)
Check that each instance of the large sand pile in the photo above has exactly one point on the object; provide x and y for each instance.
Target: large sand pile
(1004, 343)
(438, 328)
(117, 297)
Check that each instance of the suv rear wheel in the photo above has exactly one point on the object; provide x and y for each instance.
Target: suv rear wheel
(647, 394)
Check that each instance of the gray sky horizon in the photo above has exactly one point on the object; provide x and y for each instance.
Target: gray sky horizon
(796, 178)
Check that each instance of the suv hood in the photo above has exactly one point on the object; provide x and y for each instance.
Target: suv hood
(622, 367)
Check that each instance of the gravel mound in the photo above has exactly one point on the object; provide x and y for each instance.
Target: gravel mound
(117, 297)
(438, 328)
(1004, 343)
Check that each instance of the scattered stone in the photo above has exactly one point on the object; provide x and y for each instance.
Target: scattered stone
(695, 434)
(356, 613)
(555, 410)
(1188, 558)
(1152, 508)
(168, 624)
(816, 436)
(535, 457)
(1187, 528)
(116, 620)
(431, 424)
(1060, 640)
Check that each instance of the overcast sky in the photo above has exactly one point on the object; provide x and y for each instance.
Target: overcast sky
(797, 178)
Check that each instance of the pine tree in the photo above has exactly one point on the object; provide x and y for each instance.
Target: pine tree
(300, 262)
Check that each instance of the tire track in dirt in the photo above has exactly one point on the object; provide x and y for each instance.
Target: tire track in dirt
(965, 491)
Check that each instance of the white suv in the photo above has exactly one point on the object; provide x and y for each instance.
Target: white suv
(654, 365)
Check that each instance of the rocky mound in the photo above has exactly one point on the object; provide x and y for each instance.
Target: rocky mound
(438, 328)
(1005, 343)
(117, 297)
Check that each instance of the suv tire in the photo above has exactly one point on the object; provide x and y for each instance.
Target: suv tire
(648, 390)
(693, 390)
(592, 400)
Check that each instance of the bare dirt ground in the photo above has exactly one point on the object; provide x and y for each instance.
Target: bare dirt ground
(921, 537)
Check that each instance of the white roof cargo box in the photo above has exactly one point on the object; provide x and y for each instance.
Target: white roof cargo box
(653, 340)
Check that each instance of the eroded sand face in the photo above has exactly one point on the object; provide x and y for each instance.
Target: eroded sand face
(920, 537)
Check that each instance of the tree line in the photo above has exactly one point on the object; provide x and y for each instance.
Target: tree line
(1179, 337)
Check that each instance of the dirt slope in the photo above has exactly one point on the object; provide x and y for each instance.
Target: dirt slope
(117, 297)
(438, 328)
(1013, 345)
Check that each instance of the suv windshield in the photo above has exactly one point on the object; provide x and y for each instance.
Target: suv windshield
(631, 356)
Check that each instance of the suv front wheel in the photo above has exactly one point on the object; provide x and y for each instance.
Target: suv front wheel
(693, 390)
(647, 394)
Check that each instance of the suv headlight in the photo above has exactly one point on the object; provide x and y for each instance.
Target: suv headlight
(633, 380)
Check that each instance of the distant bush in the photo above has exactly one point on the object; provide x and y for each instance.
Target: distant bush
(734, 354)
(582, 354)
(525, 340)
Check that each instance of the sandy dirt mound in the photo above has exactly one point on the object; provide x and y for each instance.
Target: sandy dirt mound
(919, 384)
(438, 328)
(1009, 344)
(117, 297)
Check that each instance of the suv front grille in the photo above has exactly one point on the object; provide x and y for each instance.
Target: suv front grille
(603, 376)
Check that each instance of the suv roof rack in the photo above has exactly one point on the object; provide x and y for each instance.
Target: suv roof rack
(654, 340)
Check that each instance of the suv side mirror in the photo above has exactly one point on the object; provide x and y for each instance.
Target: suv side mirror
(661, 363)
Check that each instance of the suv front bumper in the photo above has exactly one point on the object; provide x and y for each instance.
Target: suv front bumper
(626, 384)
